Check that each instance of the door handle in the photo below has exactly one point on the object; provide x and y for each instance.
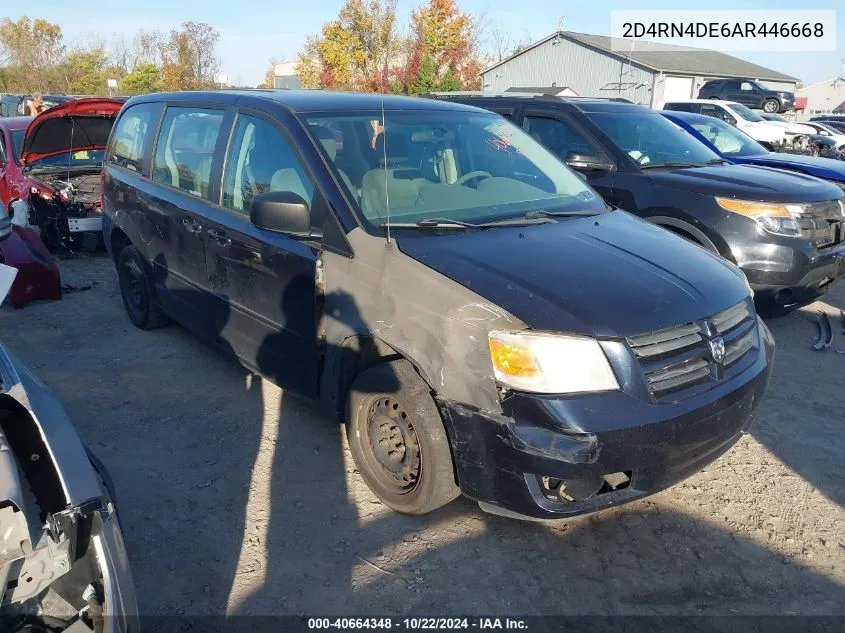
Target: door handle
(219, 237)
(191, 225)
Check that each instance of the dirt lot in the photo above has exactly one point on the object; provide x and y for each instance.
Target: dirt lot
(237, 499)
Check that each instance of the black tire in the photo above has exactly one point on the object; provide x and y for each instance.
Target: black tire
(393, 401)
(771, 106)
(137, 292)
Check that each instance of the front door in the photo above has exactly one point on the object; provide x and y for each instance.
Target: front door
(746, 93)
(262, 284)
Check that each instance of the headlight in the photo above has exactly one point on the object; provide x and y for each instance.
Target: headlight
(774, 218)
(550, 363)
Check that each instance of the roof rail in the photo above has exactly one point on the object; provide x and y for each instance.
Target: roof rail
(524, 95)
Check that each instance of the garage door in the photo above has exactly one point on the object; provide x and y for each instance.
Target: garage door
(676, 88)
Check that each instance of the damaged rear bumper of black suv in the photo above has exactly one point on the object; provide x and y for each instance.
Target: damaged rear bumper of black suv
(553, 457)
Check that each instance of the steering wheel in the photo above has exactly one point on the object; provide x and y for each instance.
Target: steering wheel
(473, 174)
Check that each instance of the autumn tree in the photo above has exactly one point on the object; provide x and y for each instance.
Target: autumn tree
(446, 37)
(85, 71)
(32, 52)
(189, 58)
(269, 75)
(144, 78)
(355, 51)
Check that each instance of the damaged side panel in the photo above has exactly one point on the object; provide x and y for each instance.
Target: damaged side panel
(39, 502)
(434, 322)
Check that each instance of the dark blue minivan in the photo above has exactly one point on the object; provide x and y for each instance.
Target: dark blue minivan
(432, 276)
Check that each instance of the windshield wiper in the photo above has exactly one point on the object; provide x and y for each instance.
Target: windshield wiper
(432, 223)
(717, 161)
(669, 165)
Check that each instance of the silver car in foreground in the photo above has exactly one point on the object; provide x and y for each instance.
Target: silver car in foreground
(63, 563)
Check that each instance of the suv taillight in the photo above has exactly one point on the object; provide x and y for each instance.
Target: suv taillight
(102, 188)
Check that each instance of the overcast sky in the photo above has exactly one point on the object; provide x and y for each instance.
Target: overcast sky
(253, 32)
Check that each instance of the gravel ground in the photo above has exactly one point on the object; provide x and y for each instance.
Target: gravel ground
(236, 499)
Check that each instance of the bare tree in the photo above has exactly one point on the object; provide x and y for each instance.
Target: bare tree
(147, 48)
(500, 42)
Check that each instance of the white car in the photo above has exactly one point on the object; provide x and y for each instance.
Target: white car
(825, 130)
(766, 132)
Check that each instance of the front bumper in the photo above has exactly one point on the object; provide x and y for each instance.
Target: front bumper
(790, 272)
(500, 458)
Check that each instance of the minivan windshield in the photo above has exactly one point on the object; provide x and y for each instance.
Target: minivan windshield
(651, 140)
(459, 166)
(746, 113)
(727, 139)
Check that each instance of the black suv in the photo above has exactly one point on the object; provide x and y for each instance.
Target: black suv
(434, 277)
(749, 93)
(785, 230)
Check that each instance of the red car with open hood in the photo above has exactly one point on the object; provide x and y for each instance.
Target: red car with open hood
(61, 157)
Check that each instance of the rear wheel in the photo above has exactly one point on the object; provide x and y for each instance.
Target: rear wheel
(771, 106)
(137, 292)
(398, 441)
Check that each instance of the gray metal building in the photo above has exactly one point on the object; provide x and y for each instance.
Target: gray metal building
(595, 66)
(824, 96)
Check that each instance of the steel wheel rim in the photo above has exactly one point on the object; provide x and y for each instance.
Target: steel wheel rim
(392, 447)
(133, 289)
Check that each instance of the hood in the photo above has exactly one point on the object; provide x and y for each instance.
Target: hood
(611, 275)
(78, 125)
(762, 130)
(828, 168)
(746, 182)
(792, 128)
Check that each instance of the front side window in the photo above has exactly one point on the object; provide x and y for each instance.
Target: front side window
(729, 140)
(260, 159)
(185, 148)
(651, 140)
(127, 145)
(558, 136)
(746, 86)
(718, 112)
(456, 165)
(3, 158)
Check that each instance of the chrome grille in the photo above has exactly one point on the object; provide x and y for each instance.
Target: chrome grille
(678, 359)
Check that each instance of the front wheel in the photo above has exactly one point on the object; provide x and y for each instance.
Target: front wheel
(398, 441)
(771, 106)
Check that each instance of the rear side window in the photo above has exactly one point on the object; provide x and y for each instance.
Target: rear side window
(682, 107)
(185, 148)
(558, 136)
(2, 149)
(130, 133)
(260, 160)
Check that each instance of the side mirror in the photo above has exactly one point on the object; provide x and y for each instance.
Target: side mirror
(281, 212)
(588, 162)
